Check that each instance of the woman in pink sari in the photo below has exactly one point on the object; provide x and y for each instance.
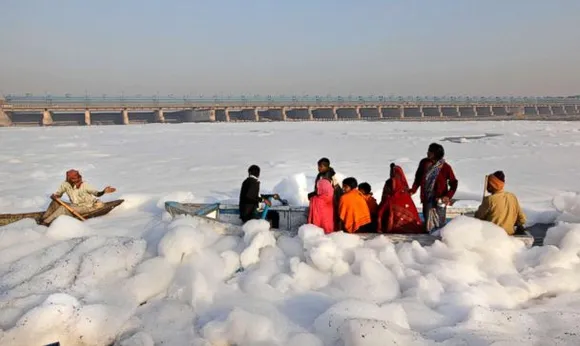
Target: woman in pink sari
(321, 211)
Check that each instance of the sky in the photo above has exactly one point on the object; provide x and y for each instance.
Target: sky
(290, 47)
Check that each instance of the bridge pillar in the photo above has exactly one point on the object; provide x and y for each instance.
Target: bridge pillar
(576, 109)
(87, 117)
(47, 118)
(491, 112)
(551, 110)
(358, 114)
(507, 110)
(402, 112)
(475, 111)
(380, 109)
(440, 109)
(159, 117)
(310, 113)
(284, 113)
(335, 113)
(125, 117)
(4, 118)
(227, 113)
(256, 114)
(212, 116)
(421, 111)
(537, 110)
(458, 111)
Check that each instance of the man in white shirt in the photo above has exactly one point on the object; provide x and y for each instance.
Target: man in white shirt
(83, 197)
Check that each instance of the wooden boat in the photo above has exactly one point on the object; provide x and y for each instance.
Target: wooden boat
(224, 218)
(6, 219)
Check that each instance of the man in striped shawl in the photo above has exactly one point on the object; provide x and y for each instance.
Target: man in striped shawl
(438, 184)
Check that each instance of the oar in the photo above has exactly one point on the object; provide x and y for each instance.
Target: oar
(78, 216)
(484, 187)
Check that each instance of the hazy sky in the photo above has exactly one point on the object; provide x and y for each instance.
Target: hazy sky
(358, 47)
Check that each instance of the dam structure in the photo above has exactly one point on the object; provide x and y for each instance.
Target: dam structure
(32, 110)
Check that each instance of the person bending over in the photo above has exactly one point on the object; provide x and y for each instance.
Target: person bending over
(250, 199)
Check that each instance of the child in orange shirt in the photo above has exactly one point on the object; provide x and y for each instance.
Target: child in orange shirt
(353, 208)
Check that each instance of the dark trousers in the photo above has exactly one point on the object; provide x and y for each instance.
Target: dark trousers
(368, 228)
(435, 216)
(274, 218)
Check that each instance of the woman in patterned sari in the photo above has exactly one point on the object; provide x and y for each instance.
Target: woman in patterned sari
(397, 212)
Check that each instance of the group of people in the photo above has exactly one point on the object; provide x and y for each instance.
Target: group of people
(353, 208)
(350, 207)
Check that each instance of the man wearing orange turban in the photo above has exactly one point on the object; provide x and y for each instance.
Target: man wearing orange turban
(83, 197)
(501, 207)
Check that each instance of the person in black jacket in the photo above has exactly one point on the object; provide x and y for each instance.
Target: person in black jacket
(250, 198)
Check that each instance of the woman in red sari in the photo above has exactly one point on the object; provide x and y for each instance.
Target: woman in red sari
(397, 212)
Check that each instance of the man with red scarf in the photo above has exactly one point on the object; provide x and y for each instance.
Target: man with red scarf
(438, 185)
(83, 197)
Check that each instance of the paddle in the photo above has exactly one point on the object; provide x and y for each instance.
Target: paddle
(484, 187)
(77, 215)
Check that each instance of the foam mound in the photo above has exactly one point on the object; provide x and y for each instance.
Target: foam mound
(84, 288)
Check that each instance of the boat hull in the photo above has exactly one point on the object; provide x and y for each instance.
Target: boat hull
(225, 218)
(6, 219)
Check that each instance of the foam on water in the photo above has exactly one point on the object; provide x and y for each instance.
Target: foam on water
(139, 277)
(316, 288)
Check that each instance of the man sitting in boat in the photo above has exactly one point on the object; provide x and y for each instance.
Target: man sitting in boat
(438, 185)
(501, 207)
(397, 212)
(353, 210)
(250, 199)
(83, 197)
(326, 171)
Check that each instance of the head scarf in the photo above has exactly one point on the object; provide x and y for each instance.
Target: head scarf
(494, 183)
(398, 180)
(74, 175)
